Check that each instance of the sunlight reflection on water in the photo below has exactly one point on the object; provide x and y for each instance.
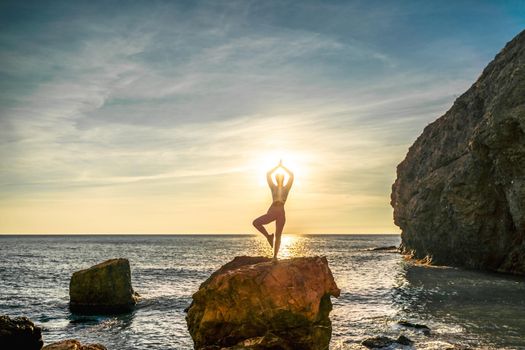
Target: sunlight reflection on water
(292, 246)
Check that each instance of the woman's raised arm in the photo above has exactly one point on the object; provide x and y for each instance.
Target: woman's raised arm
(290, 180)
(269, 176)
(269, 179)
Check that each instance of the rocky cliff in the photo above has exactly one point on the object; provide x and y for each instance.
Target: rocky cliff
(252, 303)
(459, 196)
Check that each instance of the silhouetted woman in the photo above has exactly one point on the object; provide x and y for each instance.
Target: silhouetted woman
(276, 210)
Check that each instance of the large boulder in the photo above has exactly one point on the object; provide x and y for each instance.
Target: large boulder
(459, 196)
(253, 303)
(103, 288)
(19, 333)
(73, 344)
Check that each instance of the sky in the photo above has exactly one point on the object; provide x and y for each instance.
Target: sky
(163, 116)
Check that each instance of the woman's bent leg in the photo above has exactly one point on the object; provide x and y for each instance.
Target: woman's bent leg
(263, 220)
(279, 225)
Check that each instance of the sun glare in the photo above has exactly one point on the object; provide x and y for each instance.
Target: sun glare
(292, 246)
(280, 171)
(296, 162)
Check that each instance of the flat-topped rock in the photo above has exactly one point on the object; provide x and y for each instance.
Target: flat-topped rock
(103, 288)
(253, 303)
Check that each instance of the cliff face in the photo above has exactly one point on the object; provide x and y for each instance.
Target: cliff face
(459, 196)
(252, 303)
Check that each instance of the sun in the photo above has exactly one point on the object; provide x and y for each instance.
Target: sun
(295, 161)
(280, 171)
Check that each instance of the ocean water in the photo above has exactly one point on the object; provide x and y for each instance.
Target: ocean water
(379, 288)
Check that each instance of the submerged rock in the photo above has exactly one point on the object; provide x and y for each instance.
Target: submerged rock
(73, 344)
(392, 248)
(404, 340)
(458, 347)
(383, 342)
(103, 288)
(19, 333)
(377, 342)
(421, 327)
(252, 303)
(459, 196)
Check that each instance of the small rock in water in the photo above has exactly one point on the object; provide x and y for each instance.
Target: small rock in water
(383, 342)
(378, 342)
(390, 247)
(73, 344)
(404, 340)
(422, 327)
(458, 347)
(103, 288)
(19, 333)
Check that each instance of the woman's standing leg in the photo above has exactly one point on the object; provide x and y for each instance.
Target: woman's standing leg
(279, 225)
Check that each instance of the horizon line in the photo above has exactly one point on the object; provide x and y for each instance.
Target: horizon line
(187, 234)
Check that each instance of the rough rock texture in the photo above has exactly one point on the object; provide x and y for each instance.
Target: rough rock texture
(19, 333)
(103, 288)
(252, 303)
(459, 197)
(73, 344)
